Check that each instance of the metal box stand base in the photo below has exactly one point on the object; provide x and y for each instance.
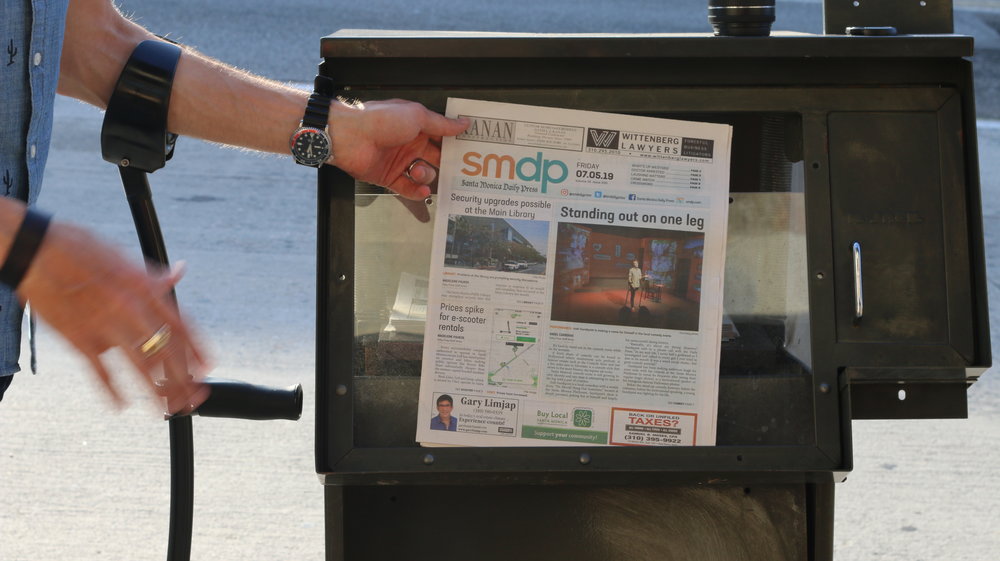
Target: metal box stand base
(792, 522)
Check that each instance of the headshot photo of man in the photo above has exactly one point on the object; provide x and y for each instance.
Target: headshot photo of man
(444, 420)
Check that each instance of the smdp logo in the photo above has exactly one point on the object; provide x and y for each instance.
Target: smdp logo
(505, 167)
(603, 138)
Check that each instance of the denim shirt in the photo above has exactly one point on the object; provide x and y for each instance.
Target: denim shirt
(31, 35)
(438, 424)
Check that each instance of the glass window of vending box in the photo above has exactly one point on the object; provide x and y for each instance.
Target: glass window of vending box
(854, 269)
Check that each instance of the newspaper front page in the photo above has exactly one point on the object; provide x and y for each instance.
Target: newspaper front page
(576, 280)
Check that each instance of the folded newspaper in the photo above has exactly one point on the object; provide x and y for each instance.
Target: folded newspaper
(575, 293)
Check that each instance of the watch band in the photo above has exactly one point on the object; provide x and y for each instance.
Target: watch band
(24, 247)
(318, 109)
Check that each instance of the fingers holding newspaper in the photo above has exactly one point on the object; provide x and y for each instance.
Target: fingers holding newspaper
(394, 143)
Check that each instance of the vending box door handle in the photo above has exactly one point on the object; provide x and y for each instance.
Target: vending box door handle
(859, 296)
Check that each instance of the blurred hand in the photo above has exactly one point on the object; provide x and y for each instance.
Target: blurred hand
(378, 140)
(98, 300)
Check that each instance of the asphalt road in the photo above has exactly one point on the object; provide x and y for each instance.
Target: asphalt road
(82, 482)
(279, 38)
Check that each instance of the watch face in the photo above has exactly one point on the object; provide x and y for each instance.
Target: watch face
(310, 147)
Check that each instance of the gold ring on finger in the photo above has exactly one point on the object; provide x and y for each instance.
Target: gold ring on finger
(156, 342)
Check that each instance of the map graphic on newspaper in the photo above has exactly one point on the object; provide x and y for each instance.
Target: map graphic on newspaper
(575, 293)
(515, 356)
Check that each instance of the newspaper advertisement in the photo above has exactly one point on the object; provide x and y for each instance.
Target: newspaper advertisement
(576, 278)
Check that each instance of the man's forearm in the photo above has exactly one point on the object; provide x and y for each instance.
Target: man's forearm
(210, 100)
(391, 143)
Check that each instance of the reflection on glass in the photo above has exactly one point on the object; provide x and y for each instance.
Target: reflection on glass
(765, 279)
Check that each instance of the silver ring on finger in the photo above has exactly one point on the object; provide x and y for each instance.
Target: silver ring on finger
(410, 167)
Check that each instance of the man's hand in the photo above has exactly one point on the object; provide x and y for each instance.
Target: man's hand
(98, 301)
(377, 141)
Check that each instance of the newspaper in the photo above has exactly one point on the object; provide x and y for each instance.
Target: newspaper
(576, 279)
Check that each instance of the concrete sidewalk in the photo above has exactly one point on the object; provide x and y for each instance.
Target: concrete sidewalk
(83, 482)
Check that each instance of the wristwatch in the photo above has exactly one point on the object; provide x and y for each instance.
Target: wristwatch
(311, 144)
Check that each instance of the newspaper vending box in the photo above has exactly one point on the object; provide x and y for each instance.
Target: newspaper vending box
(854, 289)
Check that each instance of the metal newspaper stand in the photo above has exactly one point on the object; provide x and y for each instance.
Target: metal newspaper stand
(855, 278)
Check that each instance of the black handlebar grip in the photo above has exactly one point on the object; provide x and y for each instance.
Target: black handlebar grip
(240, 400)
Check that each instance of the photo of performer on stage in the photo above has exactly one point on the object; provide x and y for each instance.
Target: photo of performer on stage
(634, 283)
(661, 270)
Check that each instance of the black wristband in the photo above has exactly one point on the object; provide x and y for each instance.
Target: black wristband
(22, 251)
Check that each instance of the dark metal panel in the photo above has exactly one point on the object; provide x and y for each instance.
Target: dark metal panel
(958, 264)
(334, 515)
(886, 181)
(552, 466)
(910, 17)
(389, 44)
(899, 191)
(820, 506)
(922, 401)
(974, 220)
(846, 427)
(433, 73)
(901, 393)
(324, 395)
(584, 523)
(690, 102)
(335, 317)
(831, 427)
